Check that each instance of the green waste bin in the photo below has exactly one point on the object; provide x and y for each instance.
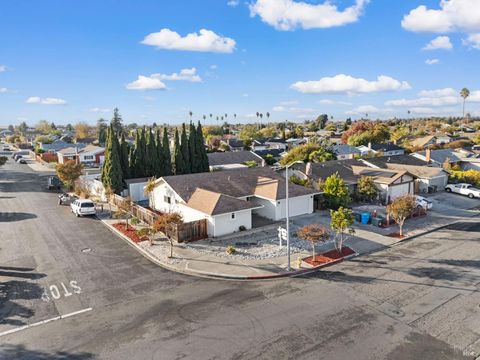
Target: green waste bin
(357, 216)
(377, 221)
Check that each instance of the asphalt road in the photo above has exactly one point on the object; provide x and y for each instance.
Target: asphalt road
(418, 300)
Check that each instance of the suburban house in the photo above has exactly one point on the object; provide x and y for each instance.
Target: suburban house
(230, 200)
(385, 149)
(90, 154)
(439, 157)
(429, 140)
(275, 153)
(427, 178)
(56, 146)
(391, 183)
(344, 151)
(233, 159)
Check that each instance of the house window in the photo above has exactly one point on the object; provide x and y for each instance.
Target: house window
(88, 157)
(167, 199)
(233, 216)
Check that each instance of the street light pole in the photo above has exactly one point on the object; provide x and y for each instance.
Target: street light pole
(288, 220)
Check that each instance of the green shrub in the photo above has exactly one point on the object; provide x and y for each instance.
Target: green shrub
(231, 250)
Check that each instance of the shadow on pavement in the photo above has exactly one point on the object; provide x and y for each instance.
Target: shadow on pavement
(18, 352)
(15, 216)
(12, 312)
(465, 226)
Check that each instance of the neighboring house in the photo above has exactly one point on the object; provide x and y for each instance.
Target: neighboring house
(391, 183)
(56, 146)
(5, 133)
(439, 157)
(233, 159)
(295, 142)
(234, 144)
(229, 199)
(90, 154)
(276, 153)
(429, 140)
(428, 178)
(344, 151)
(385, 149)
(276, 144)
(259, 144)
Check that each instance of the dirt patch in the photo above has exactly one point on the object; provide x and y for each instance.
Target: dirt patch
(396, 235)
(328, 257)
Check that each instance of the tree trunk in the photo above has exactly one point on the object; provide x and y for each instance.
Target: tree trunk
(400, 225)
(171, 248)
(313, 251)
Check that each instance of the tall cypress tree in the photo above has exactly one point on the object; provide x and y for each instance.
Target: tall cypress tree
(139, 154)
(195, 164)
(112, 171)
(167, 156)
(185, 151)
(124, 163)
(150, 154)
(201, 151)
(178, 155)
(158, 162)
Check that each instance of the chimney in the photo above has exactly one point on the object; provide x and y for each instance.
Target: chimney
(428, 156)
(308, 169)
(369, 146)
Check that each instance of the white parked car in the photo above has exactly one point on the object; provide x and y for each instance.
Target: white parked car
(82, 207)
(463, 189)
(423, 202)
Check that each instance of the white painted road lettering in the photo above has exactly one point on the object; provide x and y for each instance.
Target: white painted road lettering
(56, 292)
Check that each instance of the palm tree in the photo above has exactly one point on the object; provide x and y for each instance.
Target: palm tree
(204, 117)
(408, 112)
(268, 116)
(148, 190)
(226, 115)
(190, 113)
(235, 116)
(464, 93)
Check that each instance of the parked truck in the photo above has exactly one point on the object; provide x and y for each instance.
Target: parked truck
(463, 189)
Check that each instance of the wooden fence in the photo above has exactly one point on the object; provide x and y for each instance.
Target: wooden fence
(191, 231)
(186, 232)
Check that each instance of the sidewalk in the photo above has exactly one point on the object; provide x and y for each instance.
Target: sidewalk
(265, 259)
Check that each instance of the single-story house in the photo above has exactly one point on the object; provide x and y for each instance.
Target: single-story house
(385, 149)
(427, 178)
(90, 154)
(276, 143)
(229, 199)
(275, 153)
(429, 140)
(234, 144)
(344, 151)
(56, 146)
(438, 157)
(233, 159)
(391, 183)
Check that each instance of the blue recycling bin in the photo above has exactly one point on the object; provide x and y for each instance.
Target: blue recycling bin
(365, 218)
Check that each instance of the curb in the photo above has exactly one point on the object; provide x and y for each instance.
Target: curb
(209, 275)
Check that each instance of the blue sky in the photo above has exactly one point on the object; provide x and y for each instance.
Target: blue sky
(70, 61)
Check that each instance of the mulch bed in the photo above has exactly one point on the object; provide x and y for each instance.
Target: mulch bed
(328, 257)
(396, 235)
(131, 233)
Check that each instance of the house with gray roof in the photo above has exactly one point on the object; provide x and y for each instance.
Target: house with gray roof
(344, 151)
(233, 159)
(228, 200)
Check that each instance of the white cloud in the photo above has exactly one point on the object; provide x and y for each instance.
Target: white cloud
(333, 102)
(290, 14)
(281, 108)
(289, 102)
(473, 41)
(245, 95)
(432, 61)
(349, 85)
(434, 98)
(99, 110)
(3, 90)
(364, 109)
(184, 75)
(45, 101)
(213, 67)
(3, 68)
(146, 83)
(453, 15)
(438, 92)
(440, 42)
(204, 41)
(233, 3)
(432, 111)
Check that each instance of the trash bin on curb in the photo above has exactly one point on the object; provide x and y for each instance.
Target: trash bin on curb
(357, 216)
(365, 218)
(377, 221)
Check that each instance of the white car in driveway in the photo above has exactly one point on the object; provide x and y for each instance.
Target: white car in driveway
(83, 207)
(463, 189)
(423, 202)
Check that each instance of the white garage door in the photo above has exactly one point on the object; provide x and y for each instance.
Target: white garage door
(399, 190)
